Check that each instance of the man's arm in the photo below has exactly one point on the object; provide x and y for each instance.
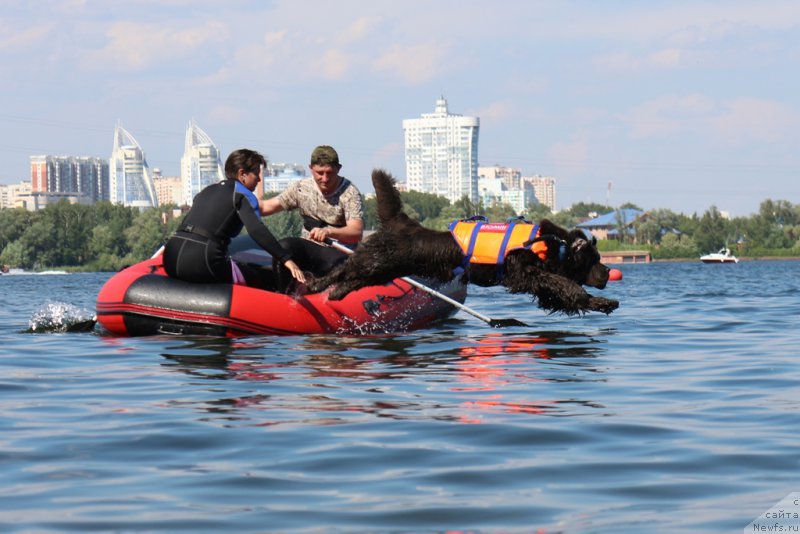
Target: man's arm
(350, 233)
(270, 206)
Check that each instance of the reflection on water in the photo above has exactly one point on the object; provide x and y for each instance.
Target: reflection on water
(335, 380)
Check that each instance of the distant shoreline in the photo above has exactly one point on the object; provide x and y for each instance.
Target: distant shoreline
(697, 260)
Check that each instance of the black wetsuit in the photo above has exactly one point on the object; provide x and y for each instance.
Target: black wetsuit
(198, 251)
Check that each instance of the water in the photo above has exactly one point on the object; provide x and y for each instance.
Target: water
(677, 413)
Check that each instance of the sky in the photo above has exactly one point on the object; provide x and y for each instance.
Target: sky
(679, 105)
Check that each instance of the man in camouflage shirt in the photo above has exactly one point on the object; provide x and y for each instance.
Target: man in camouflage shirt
(331, 207)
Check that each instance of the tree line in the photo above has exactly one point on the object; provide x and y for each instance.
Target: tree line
(107, 237)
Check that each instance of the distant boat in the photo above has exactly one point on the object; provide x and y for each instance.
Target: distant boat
(723, 256)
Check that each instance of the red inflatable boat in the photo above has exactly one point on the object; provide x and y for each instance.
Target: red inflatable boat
(142, 300)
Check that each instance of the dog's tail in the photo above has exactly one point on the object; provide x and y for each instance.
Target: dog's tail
(390, 206)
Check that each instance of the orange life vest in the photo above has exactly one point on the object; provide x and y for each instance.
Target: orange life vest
(485, 242)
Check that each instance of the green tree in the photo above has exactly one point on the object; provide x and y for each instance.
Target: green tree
(370, 213)
(582, 210)
(461, 209)
(565, 219)
(676, 246)
(146, 234)
(104, 241)
(13, 223)
(537, 211)
(426, 205)
(651, 226)
(37, 247)
(285, 224)
(72, 228)
(713, 231)
(499, 212)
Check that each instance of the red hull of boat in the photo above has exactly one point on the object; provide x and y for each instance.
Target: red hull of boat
(143, 300)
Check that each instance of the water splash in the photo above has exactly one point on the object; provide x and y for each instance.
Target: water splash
(60, 317)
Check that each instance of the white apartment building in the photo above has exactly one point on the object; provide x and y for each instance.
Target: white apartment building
(200, 165)
(130, 181)
(441, 151)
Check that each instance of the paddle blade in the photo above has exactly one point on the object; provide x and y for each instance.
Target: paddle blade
(502, 323)
(82, 326)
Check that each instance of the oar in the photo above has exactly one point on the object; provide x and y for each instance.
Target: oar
(82, 326)
(495, 323)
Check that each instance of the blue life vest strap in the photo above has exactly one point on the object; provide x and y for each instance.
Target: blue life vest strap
(473, 238)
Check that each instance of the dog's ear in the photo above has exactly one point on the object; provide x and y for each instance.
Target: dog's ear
(578, 245)
(587, 238)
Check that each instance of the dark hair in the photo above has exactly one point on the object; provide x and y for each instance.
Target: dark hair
(245, 159)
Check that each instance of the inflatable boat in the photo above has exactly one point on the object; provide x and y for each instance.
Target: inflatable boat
(142, 300)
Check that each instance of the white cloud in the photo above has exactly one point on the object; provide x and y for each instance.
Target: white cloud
(727, 122)
(277, 38)
(496, 112)
(414, 64)
(135, 47)
(572, 153)
(668, 115)
(665, 58)
(358, 30)
(334, 64)
(670, 57)
(226, 114)
(12, 39)
(747, 120)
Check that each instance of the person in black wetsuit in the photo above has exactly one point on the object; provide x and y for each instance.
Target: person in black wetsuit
(331, 207)
(198, 251)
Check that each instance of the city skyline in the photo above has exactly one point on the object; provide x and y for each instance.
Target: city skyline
(679, 105)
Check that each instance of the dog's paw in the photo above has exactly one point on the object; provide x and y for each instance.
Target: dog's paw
(603, 305)
(338, 293)
(316, 285)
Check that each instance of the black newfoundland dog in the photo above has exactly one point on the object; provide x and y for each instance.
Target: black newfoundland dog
(551, 265)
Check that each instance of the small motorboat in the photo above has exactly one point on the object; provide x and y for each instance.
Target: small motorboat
(142, 300)
(723, 256)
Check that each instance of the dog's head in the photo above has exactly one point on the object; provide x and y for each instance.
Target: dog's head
(574, 255)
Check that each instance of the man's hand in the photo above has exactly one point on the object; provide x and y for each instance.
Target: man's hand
(320, 234)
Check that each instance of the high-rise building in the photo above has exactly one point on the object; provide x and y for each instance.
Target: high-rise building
(130, 181)
(92, 175)
(545, 189)
(18, 196)
(5, 196)
(442, 153)
(511, 178)
(279, 176)
(200, 165)
(504, 185)
(85, 178)
(169, 189)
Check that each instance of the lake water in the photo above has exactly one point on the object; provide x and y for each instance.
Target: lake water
(680, 412)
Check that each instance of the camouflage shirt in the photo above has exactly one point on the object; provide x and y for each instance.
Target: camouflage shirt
(343, 205)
